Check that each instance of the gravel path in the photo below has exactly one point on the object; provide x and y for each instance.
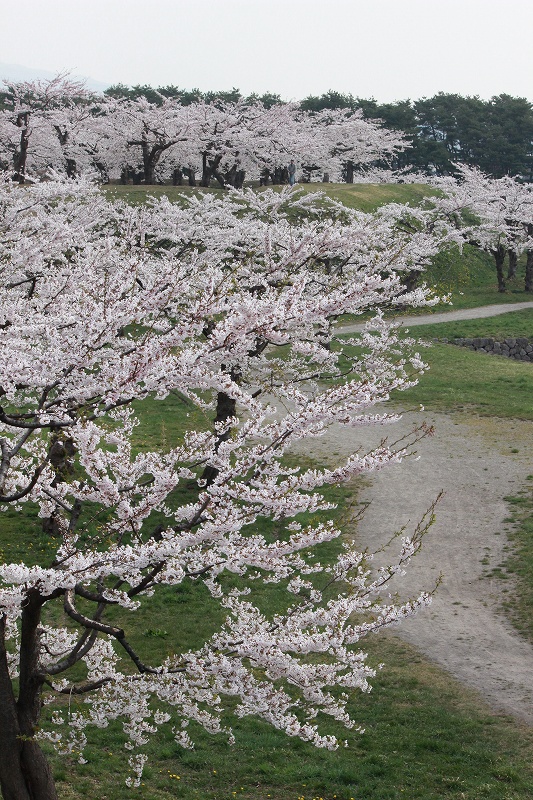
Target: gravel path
(472, 461)
(448, 316)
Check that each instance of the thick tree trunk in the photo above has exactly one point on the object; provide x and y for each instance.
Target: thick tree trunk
(349, 172)
(151, 156)
(210, 170)
(226, 408)
(24, 771)
(528, 285)
(20, 158)
(71, 168)
(148, 169)
(513, 263)
(499, 258)
(206, 173)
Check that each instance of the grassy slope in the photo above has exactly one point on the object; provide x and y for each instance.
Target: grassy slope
(364, 196)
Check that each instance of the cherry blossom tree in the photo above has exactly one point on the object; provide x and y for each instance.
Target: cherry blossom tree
(43, 125)
(59, 125)
(220, 300)
(503, 216)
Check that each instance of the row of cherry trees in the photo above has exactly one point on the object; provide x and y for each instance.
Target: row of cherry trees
(59, 125)
(102, 304)
(493, 214)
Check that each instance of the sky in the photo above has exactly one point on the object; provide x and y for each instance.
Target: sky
(386, 49)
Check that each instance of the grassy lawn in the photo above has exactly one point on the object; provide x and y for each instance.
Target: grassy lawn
(426, 737)
(510, 324)
(516, 571)
(363, 196)
(460, 380)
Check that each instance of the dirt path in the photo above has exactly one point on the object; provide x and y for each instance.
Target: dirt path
(449, 316)
(471, 460)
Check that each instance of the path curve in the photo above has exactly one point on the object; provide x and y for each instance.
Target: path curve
(447, 316)
(476, 462)
(473, 463)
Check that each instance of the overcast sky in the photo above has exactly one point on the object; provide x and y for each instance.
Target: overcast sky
(387, 49)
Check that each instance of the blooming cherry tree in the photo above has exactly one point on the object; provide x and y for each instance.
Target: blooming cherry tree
(59, 125)
(503, 210)
(229, 303)
(44, 124)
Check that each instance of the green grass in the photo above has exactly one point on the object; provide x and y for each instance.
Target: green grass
(369, 196)
(461, 380)
(426, 737)
(363, 196)
(137, 195)
(518, 564)
(510, 324)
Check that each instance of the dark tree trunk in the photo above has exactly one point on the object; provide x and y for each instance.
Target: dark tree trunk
(20, 158)
(71, 168)
(24, 771)
(148, 163)
(206, 174)
(513, 263)
(230, 177)
(102, 169)
(61, 455)
(499, 258)
(528, 285)
(226, 408)
(177, 177)
(349, 172)
(210, 170)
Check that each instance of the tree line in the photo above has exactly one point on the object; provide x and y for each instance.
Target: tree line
(495, 135)
(159, 135)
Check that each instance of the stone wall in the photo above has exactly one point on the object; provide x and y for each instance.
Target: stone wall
(519, 348)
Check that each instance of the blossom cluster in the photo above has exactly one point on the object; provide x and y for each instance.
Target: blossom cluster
(229, 304)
